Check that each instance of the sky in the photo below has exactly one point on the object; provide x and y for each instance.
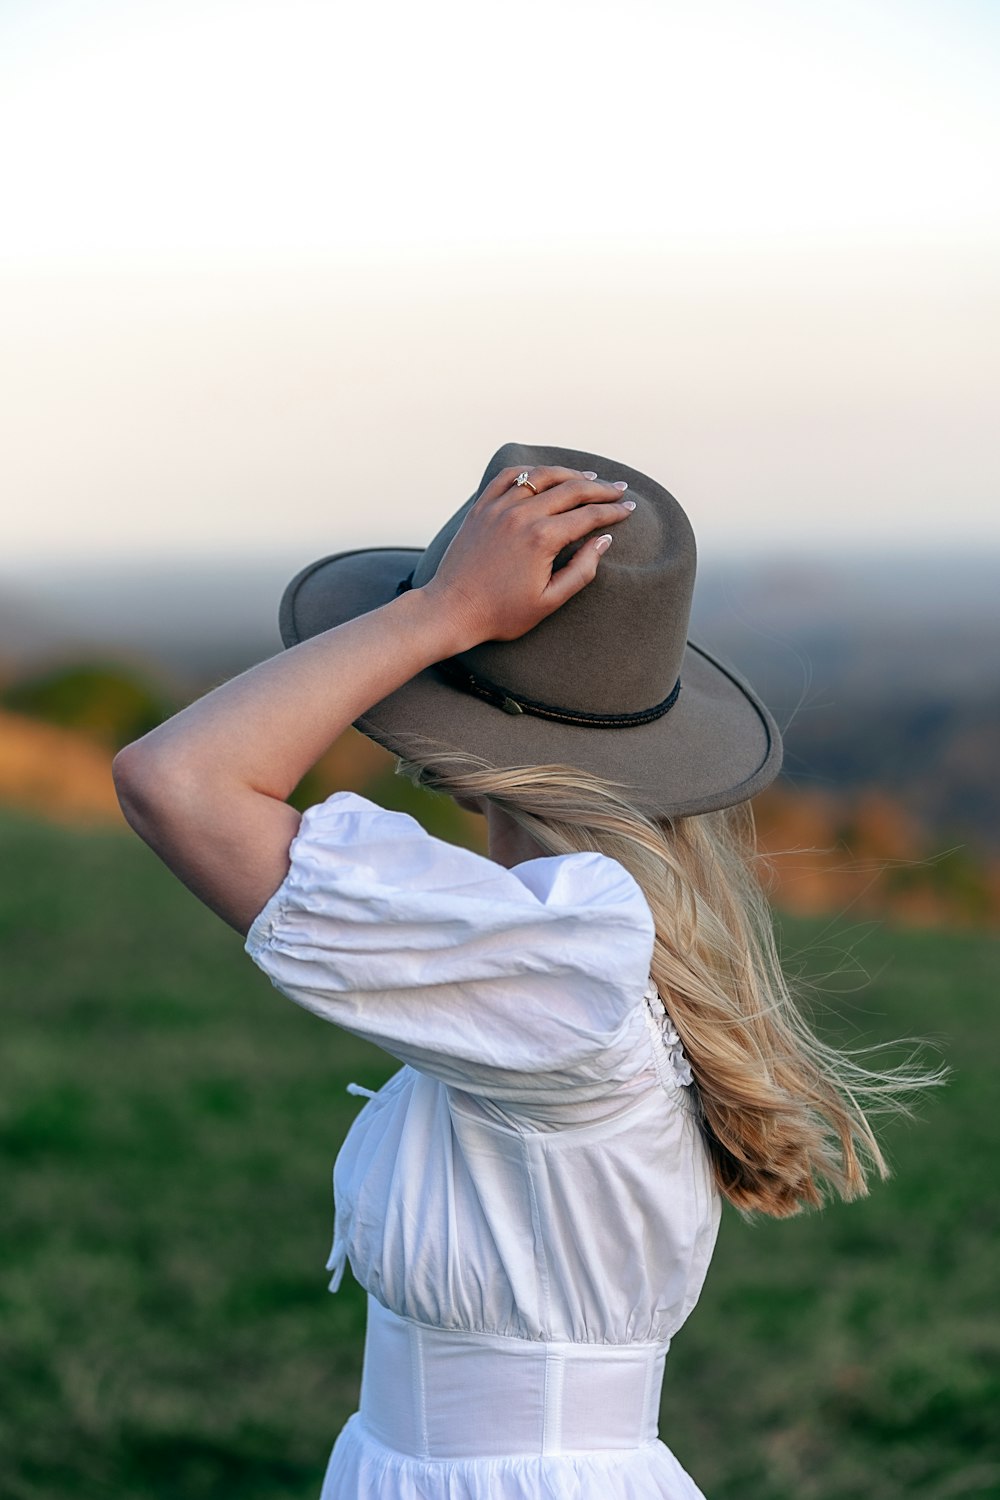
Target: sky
(278, 278)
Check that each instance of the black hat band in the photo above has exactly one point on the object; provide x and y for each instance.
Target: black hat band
(456, 674)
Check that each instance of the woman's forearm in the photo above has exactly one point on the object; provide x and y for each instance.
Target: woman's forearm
(266, 728)
(206, 790)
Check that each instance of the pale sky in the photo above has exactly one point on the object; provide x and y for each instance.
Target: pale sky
(282, 275)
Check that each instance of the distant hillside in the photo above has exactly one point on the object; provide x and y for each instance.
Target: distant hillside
(857, 853)
(883, 672)
(813, 624)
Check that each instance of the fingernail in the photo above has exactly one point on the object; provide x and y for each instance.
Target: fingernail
(603, 542)
(588, 473)
(628, 504)
(621, 484)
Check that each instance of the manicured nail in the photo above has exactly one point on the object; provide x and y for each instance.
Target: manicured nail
(621, 484)
(628, 504)
(603, 542)
(588, 473)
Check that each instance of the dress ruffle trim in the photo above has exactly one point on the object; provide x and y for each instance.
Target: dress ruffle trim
(674, 1055)
(361, 1467)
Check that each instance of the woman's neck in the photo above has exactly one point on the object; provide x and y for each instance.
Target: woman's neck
(509, 843)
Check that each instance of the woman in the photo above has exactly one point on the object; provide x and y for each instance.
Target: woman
(598, 1041)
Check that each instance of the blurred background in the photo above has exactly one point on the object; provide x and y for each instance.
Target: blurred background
(276, 280)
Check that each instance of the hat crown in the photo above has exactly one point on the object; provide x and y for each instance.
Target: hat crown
(616, 647)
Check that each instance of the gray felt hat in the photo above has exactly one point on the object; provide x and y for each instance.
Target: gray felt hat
(609, 683)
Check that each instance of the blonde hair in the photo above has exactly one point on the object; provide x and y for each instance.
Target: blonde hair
(784, 1115)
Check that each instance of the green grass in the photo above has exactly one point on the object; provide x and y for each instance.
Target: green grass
(167, 1129)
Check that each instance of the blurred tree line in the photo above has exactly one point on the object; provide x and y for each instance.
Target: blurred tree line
(853, 843)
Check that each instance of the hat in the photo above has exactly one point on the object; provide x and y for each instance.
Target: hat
(609, 683)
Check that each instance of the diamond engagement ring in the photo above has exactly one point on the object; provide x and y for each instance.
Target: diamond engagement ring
(522, 478)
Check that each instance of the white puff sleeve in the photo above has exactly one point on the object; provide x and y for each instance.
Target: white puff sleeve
(511, 984)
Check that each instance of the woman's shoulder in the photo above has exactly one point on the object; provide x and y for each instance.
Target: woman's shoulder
(383, 845)
(506, 982)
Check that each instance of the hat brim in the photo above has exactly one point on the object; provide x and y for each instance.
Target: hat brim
(717, 746)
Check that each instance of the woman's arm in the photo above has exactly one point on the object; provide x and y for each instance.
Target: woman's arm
(206, 790)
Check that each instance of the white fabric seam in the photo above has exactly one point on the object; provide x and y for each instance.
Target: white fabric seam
(567, 1345)
(417, 1370)
(541, 1259)
(552, 1409)
(646, 1414)
(610, 1458)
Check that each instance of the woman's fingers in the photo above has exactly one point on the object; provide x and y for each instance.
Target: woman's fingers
(578, 572)
(569, 490)
(557, 489)
(570, 526)
(542, 477)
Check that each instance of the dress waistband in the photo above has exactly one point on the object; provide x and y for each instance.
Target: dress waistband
(438, 1393)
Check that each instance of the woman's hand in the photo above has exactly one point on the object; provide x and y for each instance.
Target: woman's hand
(496, 577)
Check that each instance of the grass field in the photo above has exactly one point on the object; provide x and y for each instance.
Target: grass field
(167, 1128)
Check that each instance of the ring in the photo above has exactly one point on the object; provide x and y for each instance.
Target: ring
(522, 478)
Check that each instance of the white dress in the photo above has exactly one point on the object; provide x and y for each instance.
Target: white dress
(528, 1201)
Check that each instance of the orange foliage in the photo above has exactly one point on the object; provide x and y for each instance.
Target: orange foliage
(856, 851)
(860, 851)
(57, 773)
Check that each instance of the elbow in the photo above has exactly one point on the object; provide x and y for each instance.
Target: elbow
(132, 778)
(146, 787)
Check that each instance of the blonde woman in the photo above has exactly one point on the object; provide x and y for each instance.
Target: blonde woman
(597, 1040)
